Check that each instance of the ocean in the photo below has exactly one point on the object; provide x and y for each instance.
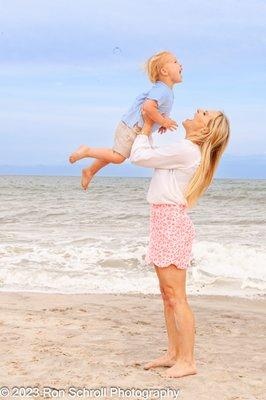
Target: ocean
(57, 238)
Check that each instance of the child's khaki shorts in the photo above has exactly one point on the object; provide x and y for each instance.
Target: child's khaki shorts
(124, 138)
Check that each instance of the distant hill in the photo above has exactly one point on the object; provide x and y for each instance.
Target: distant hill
(238, 167)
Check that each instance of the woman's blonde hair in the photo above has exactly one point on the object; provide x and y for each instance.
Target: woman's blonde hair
(154, 64)
(213, 140)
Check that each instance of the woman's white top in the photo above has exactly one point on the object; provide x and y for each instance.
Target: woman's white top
(174, 165)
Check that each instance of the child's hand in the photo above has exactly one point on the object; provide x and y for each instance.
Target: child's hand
(169, 124)
(162, 129)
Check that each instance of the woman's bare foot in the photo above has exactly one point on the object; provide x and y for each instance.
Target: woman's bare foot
(181, 368)
(163, 361)
(87, 176)
(80, 153)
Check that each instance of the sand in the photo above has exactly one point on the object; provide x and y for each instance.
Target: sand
(102, 341)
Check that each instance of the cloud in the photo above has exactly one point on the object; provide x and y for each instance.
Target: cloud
(63, 83)
(64, 29)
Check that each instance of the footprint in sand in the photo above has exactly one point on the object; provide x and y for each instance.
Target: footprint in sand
(60, 309)
(142, 323)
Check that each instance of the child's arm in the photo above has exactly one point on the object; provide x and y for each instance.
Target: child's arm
(151, 108)
(162, 129)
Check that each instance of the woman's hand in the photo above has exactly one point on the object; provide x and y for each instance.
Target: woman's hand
(148, 123)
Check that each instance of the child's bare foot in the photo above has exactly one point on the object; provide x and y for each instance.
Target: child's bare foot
(180, 369)
(163, 361)
(80, 153)
(87, 175)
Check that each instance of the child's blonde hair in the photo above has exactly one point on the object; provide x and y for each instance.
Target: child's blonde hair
(154, 64)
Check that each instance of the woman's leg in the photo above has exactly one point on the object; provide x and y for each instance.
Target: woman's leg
(170, 358)
(173, 282)
(101, 153)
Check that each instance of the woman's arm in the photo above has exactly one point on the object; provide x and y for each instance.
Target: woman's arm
(171, 156)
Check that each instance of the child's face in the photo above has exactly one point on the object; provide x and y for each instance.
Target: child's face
(173, 69)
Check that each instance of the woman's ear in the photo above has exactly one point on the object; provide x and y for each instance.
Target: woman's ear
(205, 130)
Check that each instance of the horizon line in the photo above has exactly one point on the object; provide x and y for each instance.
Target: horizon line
(121, 176)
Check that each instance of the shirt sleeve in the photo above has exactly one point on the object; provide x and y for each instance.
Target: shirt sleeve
(158, 93)
(172, 156)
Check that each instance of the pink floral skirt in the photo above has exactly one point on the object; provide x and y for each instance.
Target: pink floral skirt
(171, 236)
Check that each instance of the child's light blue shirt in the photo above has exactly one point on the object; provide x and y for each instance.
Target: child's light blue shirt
(160, 92)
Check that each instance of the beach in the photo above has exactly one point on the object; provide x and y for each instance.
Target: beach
(81, 312)
(81, 309)
(103, 340)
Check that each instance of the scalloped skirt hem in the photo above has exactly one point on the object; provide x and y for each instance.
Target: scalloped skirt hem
(153, 263)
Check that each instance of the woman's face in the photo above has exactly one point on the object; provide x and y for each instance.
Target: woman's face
(200, 120)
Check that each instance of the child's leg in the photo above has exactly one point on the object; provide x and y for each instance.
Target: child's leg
(104, 154)
(89, 172)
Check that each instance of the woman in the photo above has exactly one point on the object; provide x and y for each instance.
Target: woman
(183, 171)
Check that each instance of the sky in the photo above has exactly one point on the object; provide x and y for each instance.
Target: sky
(70, 69)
